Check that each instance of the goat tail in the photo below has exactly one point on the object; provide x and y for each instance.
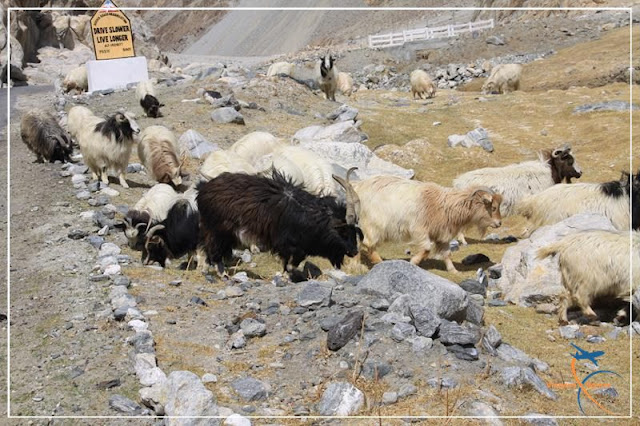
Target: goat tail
(547, 251)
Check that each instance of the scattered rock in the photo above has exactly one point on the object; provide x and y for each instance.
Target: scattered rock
(227, 115)
(343, 113)
(539, 419)
(402, 331)
(126, 406)
(250, 389)
(467, 353)
(253, 328)
(606, 106)
(187, 396)
(77, 234)
(546, 308)
(525, 377)
(196, 144)
(569, 331)
(195, 300)
(343, 331)
(472, 259)
(314, 293)
(476, 137)
(474, 287)
(451, 333)
(431, 298)
(389, 398)
(495, 40)
(344, 131)
(421, 344)
(237, 420)
(340, 399)
(513, 355)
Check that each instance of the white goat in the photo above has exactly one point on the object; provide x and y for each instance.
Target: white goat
(422, 85)
(218, 162)
(279, 68)
(345, 83)
(517, 181)
(610, 199)
(328, 78)
(104, 143)
(255, 145)
(307, 168)
(595, 264)
(503, 78)
(76, 80)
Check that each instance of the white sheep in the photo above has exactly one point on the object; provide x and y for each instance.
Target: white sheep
(345, 83)
(76, 79)
(255, 145)
(517, 181)
(218, 162)
(280, 68)
(422, 85)
(104, 143)
(159, 155)
(595, 264)
(503, 78)
(328, 78)
(610, 199)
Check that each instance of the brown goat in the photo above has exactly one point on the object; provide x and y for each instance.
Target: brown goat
(158, 152)
(426, 214)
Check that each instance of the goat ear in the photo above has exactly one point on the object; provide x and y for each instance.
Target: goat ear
(557, 152)
(624, 178)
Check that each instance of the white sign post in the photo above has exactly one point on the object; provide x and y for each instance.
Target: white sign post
(116, 66)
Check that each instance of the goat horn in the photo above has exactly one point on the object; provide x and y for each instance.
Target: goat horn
(153, 230)
(351, 197)
(483, 188)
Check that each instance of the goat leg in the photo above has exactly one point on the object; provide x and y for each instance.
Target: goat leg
(123, 181)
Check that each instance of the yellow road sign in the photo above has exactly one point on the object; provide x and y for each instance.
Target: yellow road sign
(111, 31)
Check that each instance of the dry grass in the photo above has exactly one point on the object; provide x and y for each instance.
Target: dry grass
(520, 124)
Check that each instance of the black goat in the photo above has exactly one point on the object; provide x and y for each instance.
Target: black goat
(174, 237)
(278, 215)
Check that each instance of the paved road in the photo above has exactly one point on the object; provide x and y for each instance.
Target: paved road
(16, 92)
(266, 32)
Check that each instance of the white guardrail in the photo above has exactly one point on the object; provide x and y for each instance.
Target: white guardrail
(398, 39)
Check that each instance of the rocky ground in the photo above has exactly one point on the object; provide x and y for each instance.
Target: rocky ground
(94, 332)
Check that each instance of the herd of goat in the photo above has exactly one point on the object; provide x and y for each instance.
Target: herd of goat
(266, 194)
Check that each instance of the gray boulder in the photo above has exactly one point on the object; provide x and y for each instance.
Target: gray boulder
(477, 137)
(196, 144)
(314, 294)
(340, 399)
(349, 155)
(431, 297)
(527, 281)
(250, 389)
(344, 131)
(187, 396)
(227, 115)
(520, 378)
(343, 113)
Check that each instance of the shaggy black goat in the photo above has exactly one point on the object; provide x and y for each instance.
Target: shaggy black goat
(43, 135)
(278, 215)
